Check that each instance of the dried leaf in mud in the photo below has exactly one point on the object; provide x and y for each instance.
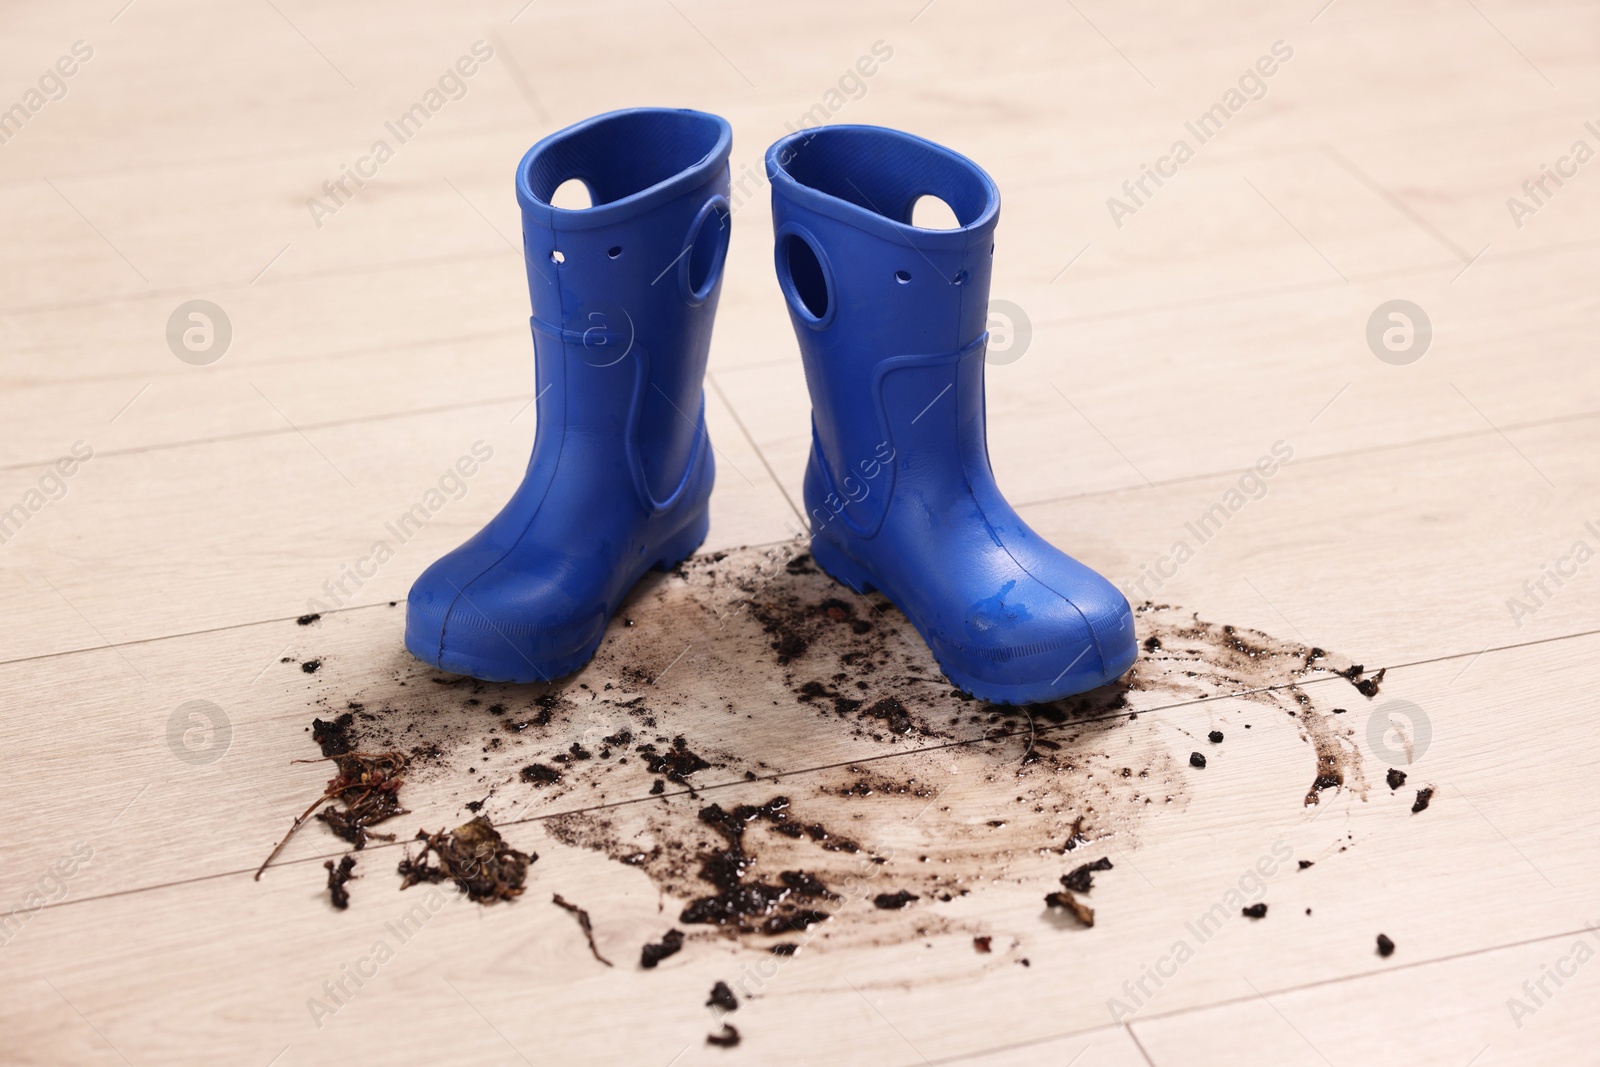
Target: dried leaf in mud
(474, 856)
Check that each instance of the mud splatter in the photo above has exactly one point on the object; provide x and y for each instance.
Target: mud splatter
(742, 672)
(1338, 756)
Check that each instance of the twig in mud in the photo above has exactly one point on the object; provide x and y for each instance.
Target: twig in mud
(583, 921)
(377, 777)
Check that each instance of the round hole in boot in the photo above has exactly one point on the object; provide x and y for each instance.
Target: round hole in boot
(960, 278)
(614, 251)
(902, 276)
(557, 257)
(805, 274)
(708, 249)
(930, 213)
(572, 195)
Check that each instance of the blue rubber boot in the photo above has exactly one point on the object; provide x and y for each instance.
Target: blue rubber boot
(624, 293)
(892, 326)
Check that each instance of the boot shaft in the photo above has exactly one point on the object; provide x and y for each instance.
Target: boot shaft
(891, 317)
(624, 292)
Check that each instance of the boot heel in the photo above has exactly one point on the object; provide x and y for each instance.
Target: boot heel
(841, 568)
(682, 544)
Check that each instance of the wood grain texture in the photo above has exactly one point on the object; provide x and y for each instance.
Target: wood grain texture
(1167, 354)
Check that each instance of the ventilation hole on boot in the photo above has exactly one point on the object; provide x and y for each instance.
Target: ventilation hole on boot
(931, 213)
(615, 251)
(960, 278)
(902, 276)
(557, 257)
(572, 195)
(806, 275)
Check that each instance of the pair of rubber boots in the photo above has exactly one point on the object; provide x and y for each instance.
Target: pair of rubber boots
(891, 320)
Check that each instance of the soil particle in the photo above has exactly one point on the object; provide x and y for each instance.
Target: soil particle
(1075, 907)
(984, 945)
(1306, 863)
(1081, 878)
(670, 944)
(335, 737)
(1197, 760)
(1368, 687)
(722, 997)
(1215, 737)
(1424, 796)
(540, 774)
(1396, 778)
(728, 1038)
(1385, 946)
(893, 901)
(784, 948)
(677, 763)
(1254, 911)
(337, 877)
(311, 666)
(892, 712)
(751, 905)
(474, 856)
(307, 620)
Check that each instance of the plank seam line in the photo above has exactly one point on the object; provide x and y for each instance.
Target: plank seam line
(779, 776)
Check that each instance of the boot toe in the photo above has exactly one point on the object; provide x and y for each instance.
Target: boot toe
(1110, 619)
(1029, 642)
(506, 623)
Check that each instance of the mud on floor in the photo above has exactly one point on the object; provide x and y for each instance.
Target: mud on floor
(740, 667)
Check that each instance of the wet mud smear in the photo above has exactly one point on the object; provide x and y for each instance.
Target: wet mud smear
(741, 667)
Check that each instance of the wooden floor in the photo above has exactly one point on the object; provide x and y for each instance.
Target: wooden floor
(1174, 342)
